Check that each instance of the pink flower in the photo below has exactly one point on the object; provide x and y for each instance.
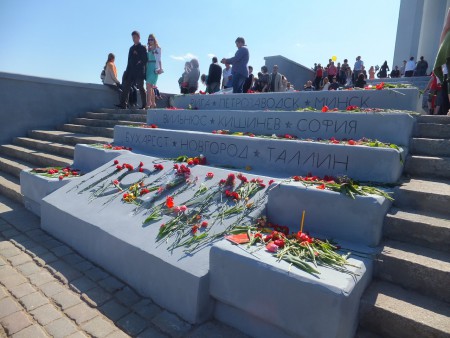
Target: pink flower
(183, 208)
(271, 182)
(271, 247)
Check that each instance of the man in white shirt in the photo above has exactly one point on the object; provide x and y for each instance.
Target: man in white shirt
(410, 67)
(227, 77)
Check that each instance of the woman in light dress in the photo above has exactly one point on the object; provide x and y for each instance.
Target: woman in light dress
(154, 68)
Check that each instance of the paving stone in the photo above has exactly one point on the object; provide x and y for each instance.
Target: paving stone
(96, 297)
(33, 301)
(13, 279)
(171, 324)
(96, 274)
(132, 324)
(8, 306)
(46, 314)
(111, 284)
(84, 266)
(41, 278)
(51, 288)
(38, 250)
(66, 270)
(25, 244)
(19, 259)
(127, 296)
(66, 299)
(3, 293)
(36, 233)
(10, 252)
(73, 259)
(10, 233)
(113, 310)
(81, 313)
(118, 334)
(98, 327)
(78, 334)
(15, 322)
(61, 327)
(82, 284)
(147, 309)
(32, 331)
(62, 250)
(215, 330)
(47, 257)
(60, 277)
(49, 242)
(6, 271)
(39, 261)
(18, 239)
(29, 268)
(22, 290)
(151, 333)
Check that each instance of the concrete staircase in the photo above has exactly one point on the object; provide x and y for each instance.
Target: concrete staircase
(410, 295)
(42, 148)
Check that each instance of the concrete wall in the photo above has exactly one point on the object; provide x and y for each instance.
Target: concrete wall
(419, 29)
(294, 72)
(29, 102)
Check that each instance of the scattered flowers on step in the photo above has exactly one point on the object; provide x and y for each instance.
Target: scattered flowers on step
(57, 172)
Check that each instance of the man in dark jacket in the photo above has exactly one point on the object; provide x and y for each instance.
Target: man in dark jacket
(214, 76)
(136, 67)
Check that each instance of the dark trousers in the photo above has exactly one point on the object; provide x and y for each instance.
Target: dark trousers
(117, 88)
(126, 91)
(409, 73)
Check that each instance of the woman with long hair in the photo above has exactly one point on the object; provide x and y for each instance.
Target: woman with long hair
(154, 68)
(110, 79)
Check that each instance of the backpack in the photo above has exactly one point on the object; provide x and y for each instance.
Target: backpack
(103, 75)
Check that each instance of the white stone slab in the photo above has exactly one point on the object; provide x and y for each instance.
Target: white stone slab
(401, 99)
(35, 187)
(387, 127)
(284, 297)
(88, 158)
(109, 233)
(279, 158)
(328, 213)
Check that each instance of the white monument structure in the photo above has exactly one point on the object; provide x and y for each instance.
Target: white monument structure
(420, 24)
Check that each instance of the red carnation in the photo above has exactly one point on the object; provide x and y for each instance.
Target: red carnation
(325, 109)
(209, 175)
(116, 162)
(204, 224)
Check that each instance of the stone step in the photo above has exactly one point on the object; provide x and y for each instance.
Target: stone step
(422, 228)
(66, 137)
(432, 130)
(47, 146)
(437, 119)
(426, 166)
(430, 147)
(122, 111)
(10, 187)
(112, 116)
(393, 312)
(424, 195)
(13, 166)
(97, 131)
(416, 268)
(103, 123)
(38, 158)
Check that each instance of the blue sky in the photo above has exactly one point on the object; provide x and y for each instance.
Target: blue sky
(71, 39)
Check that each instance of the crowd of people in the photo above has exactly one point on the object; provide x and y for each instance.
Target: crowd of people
(144, 64)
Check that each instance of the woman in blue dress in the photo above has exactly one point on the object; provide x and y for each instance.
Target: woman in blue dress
(154, 68)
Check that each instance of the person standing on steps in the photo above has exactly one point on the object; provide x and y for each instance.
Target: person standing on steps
(240, 65)
(214, 75)
(154, 68)
(137, 63)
